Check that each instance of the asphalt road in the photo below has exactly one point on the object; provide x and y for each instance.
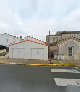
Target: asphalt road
(19, 78)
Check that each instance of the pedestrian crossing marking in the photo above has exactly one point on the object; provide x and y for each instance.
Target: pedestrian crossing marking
(12, 63)
(67, 82)
(65, 70)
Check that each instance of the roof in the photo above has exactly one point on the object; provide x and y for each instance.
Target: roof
(59, 33)
(52, 35)
(45, 44)
(67, 32)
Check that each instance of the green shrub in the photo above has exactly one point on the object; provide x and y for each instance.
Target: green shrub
(3, 53)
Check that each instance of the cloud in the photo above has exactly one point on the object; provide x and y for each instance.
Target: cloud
(74, 16)
(37, 17)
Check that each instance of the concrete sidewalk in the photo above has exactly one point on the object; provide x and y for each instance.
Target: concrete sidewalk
(40, 62)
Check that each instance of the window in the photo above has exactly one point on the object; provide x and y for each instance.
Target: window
(70, 49)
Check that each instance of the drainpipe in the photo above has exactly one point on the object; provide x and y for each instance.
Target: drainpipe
(57, 51)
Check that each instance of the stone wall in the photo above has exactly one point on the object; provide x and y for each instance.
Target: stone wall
(70, 35)
(52, 38)
(63, 49)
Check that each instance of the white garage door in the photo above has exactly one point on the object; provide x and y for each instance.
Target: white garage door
(37, 53)
(18, 53)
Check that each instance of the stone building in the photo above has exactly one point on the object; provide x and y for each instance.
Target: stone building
(64, 45)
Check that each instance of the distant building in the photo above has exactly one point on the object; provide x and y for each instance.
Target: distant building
(6, 39)
(64, 45)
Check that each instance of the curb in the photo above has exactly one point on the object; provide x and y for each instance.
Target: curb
(61, 65)
(54, 65)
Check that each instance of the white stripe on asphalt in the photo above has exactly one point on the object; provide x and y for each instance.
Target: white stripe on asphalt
(67, 82)
(65, 70)
(12, 63)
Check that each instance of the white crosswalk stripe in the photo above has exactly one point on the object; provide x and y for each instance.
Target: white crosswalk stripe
(65, 70)
(65, 81)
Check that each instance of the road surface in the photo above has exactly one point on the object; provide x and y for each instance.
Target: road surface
(19, 78)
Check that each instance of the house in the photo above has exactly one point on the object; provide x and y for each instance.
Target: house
(30, 48)
(7, 39)
(64, 45)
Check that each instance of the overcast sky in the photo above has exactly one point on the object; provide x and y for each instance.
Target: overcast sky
(37, 17)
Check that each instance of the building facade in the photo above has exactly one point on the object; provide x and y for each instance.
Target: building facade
(29, 49)
(6, 39)
(64, 45)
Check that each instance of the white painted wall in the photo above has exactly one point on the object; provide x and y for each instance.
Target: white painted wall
(18, 53)
(28, 46)
(37, 53)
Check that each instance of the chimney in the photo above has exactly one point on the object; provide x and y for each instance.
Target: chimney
(20, 38)
(49, 32)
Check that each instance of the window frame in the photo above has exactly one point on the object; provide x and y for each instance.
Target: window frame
(70, 51)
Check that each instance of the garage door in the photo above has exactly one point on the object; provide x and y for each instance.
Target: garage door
(18, 53)
(37, 53)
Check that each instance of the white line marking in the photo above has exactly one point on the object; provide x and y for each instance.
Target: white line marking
(67, 82)
(12, 63)
(65, 70)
